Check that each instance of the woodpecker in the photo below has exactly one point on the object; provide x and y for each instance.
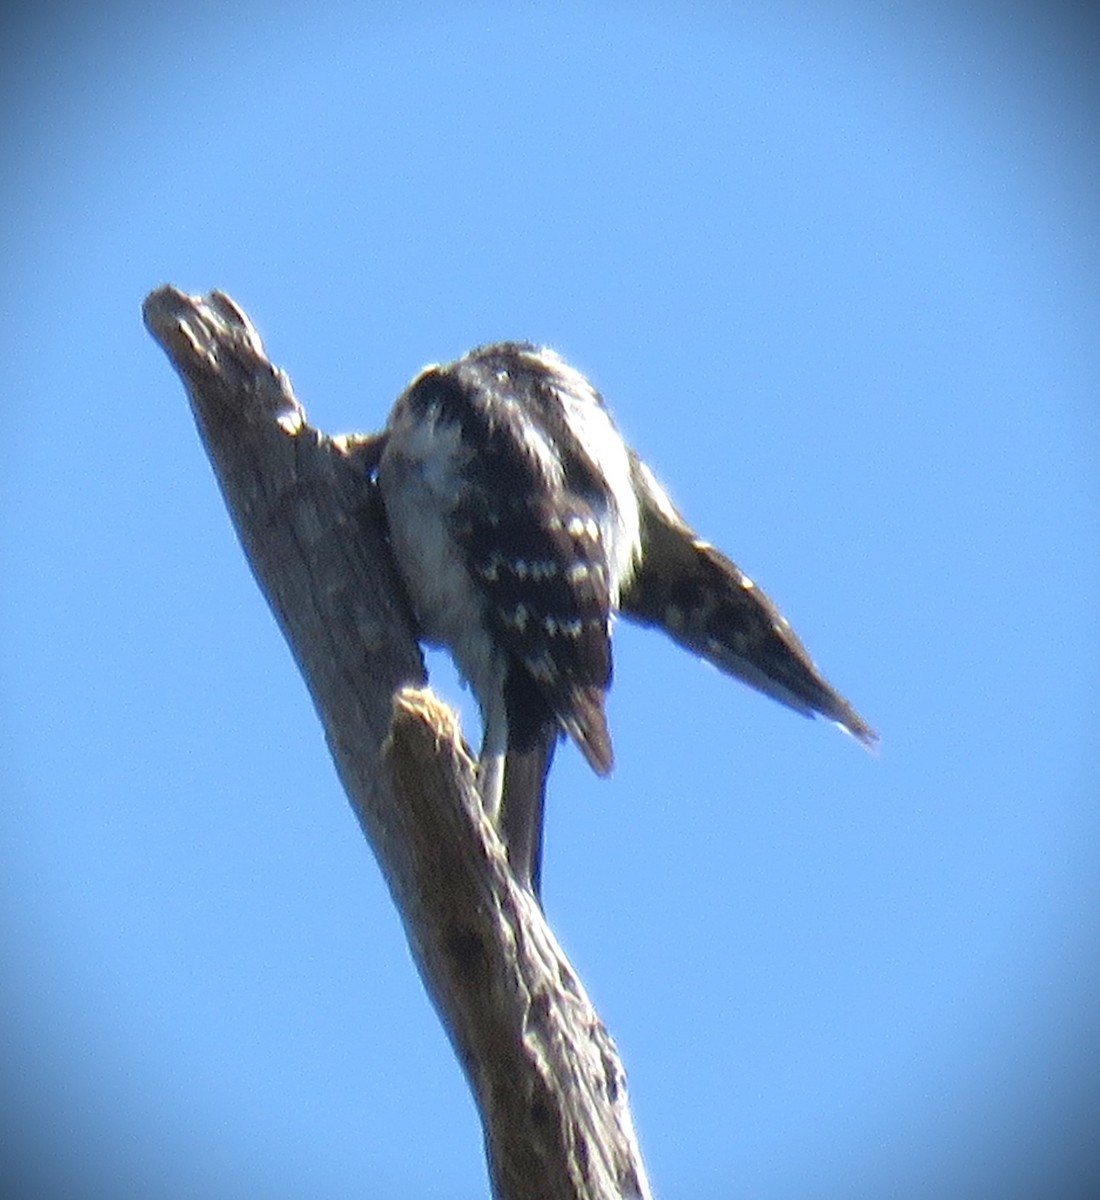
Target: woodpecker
(521, 523)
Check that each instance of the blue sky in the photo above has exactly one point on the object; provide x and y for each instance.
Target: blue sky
(836, 269)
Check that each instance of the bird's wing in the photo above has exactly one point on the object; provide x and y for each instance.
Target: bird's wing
(704, 602)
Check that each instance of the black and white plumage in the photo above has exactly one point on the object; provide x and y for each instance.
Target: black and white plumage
(512, 515)
(521, 523)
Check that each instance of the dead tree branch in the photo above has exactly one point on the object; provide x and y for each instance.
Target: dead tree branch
(544, 1071)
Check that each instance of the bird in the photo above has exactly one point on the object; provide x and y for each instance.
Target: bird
(522, 524)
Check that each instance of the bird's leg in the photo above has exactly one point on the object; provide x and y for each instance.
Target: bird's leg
(490, 783)
(490, 763)
(512, 783)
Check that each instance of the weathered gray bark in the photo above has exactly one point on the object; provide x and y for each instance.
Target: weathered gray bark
(545, 1073)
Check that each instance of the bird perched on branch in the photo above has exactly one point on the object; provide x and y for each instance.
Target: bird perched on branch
(521, 523)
